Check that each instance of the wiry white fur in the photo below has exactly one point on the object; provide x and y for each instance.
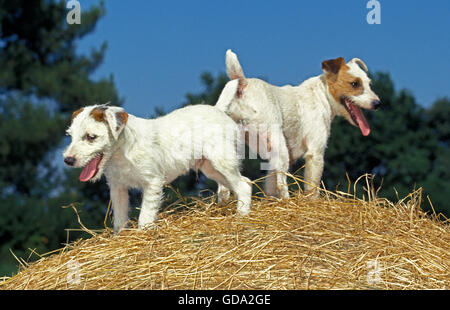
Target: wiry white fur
(147, 154)
(302, 114)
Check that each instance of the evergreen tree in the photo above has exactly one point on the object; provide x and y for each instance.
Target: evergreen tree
(42, 81)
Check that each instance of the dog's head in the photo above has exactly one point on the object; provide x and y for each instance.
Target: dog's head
(350, 87)
(94, 132)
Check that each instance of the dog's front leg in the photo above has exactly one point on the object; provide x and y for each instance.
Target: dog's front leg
(313, 173)
(119, 199)
(151, 201)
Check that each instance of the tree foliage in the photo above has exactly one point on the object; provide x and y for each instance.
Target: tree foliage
(42, 80)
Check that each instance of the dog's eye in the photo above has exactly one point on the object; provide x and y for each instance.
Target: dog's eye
(355, 84)
(90, 138)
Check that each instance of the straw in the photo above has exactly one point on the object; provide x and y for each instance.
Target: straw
(338, 241)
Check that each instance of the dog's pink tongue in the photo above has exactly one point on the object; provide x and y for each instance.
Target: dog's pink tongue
(90, 169)
(362, 122)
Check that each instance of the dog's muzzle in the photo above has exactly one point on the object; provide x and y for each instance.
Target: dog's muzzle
(70, 161)
(376, 104)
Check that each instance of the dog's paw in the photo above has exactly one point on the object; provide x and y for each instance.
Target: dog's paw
(146, 226)
(313, 194)
(242, 210)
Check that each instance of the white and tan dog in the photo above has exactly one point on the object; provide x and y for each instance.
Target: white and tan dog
(299, 117)
(147, 154)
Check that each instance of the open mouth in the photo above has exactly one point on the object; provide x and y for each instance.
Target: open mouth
(91, 169)
(357, 115)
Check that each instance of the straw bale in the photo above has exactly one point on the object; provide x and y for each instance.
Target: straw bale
(335, 242)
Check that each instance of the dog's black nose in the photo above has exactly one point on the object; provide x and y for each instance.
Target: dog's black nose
(376, 104)
(70, 161)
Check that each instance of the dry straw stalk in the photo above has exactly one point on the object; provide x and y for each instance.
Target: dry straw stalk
(335, 242)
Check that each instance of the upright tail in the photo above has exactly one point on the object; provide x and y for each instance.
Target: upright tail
(234, 69)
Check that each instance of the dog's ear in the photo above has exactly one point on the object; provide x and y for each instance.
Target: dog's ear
(360, 63)
(75, 114)
(117, 119)
(333, 65)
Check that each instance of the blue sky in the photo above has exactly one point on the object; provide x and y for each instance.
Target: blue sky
(158, 49)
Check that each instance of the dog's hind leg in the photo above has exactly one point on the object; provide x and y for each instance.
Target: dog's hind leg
(278, 155)
(275, 183)
(270, 184)
(223, 194)
(226, 174)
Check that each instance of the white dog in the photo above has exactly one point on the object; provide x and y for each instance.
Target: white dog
(299, 116)
(138, 153)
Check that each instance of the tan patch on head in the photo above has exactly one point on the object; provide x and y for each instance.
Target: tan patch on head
(333, 65)
(74, 114)
(98, 114)
(339, 80)
(122, 117)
